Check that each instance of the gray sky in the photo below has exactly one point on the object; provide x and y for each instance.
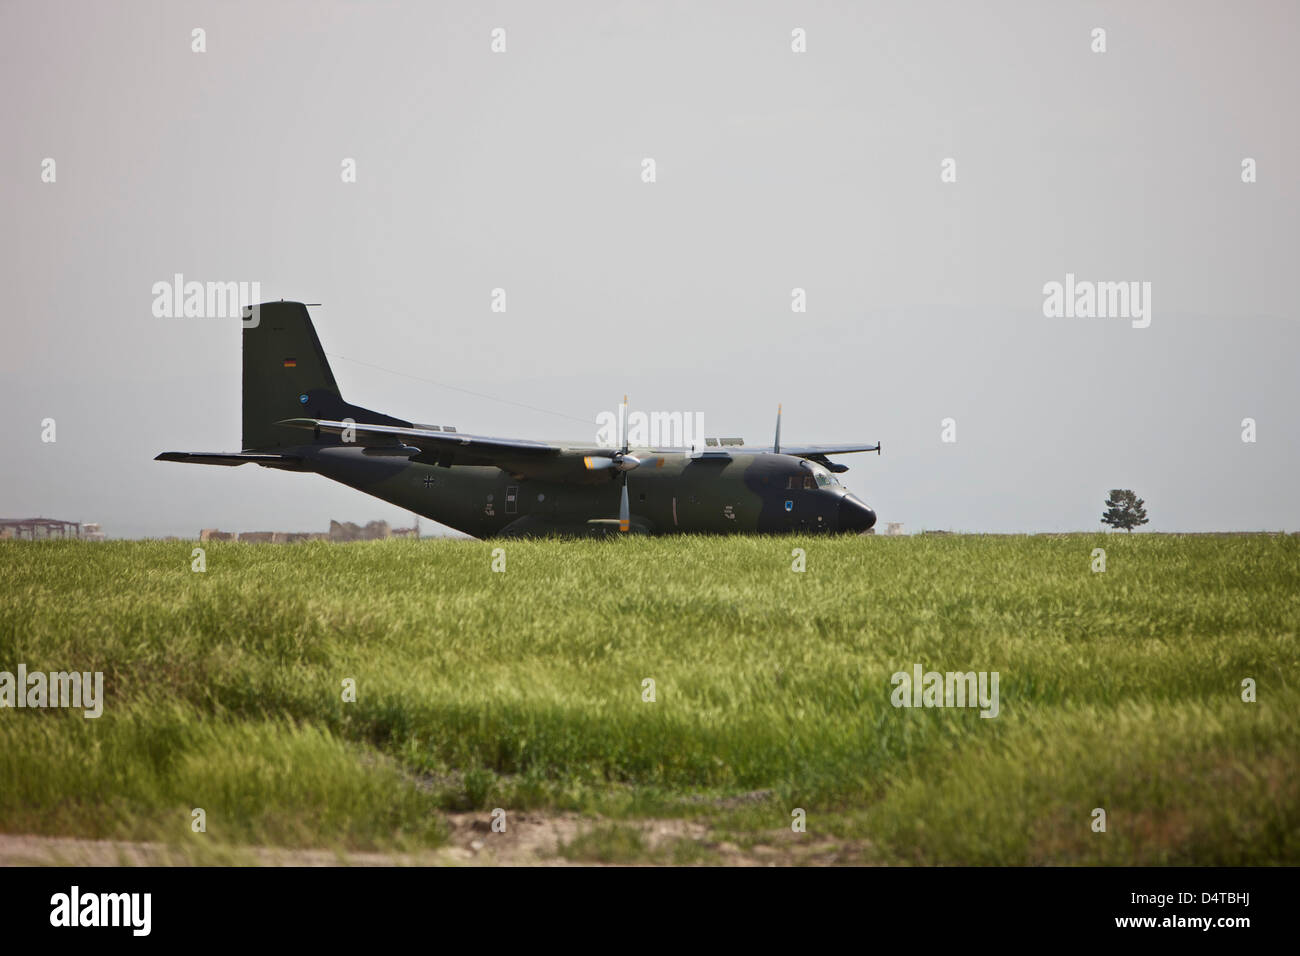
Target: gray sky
(775, 170)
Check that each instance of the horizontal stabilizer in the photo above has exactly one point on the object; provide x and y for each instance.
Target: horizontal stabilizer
(290, 462)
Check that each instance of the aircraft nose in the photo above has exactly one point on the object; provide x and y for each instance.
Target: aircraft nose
(855, 516)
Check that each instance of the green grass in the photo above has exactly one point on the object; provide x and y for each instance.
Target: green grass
(523, 690)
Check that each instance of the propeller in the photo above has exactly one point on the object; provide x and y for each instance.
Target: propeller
(624, 512)
(776, 442)
(621, 462)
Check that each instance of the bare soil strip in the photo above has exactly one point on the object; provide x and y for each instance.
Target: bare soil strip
(531, 839)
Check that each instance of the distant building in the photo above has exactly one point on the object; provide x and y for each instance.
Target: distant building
(339, 531)
(347, 531)
(894, 527)
(261, 537)
(44, 529)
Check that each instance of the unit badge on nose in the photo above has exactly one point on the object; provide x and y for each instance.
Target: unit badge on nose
(789, 506)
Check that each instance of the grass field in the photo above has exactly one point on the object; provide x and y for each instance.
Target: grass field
(523, 690)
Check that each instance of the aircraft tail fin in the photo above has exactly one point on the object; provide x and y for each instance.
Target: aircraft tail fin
(286, 375)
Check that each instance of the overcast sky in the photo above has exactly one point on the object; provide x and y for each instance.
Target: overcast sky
(775, 170)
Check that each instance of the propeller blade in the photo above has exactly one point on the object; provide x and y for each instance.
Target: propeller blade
(624, 513)
(776, 443)
(622, 424)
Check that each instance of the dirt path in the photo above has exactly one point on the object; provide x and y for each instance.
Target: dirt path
(531, 839)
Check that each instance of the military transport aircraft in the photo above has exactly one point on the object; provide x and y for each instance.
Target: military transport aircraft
(296, 420)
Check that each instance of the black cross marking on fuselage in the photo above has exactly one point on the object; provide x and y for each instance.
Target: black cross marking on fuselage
(428, 481)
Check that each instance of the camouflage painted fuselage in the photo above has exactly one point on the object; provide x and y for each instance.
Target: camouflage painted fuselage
(670, 493)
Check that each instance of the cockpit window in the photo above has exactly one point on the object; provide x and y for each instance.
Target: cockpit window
(818, 479)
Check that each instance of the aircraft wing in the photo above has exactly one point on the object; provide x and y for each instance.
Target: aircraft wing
(426, 439)
(517, 455)
(812, 451)
(818, 453)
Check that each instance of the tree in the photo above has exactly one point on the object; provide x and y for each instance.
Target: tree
(1124, 510)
